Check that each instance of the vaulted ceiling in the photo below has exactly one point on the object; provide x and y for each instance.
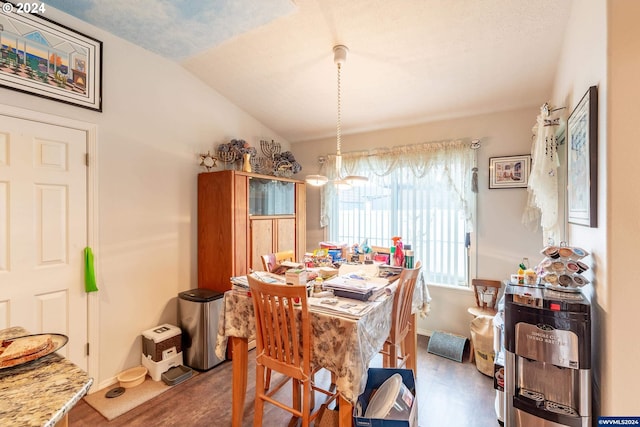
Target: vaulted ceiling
(410, 61)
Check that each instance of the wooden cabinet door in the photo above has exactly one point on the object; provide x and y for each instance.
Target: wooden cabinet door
(240, 239)
(285, 235)
(270, 235)
(261, 241)
(222, 228)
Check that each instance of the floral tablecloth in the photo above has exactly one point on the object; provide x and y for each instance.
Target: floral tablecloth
(343, 346)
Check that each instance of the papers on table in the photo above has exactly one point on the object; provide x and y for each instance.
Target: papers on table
(243, 282)
(354, 282)
(240, 281)
(240, 284)
(291, 264)
(357, 284)
(365, 270)
(344, 307)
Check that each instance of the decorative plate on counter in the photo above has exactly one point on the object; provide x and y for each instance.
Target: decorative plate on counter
(45, 344)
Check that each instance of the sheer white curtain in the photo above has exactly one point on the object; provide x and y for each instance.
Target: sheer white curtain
(542, 204)
(448, 163)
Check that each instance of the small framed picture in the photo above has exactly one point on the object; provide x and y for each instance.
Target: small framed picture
(509, 172)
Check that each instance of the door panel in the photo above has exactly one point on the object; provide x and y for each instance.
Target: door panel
(51, 225)
(261, 241)
(286, 231)
(43, 230)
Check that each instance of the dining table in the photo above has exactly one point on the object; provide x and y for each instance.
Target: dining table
(39, 393)
(343, 345)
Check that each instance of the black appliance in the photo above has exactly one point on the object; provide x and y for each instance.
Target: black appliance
(547, 357)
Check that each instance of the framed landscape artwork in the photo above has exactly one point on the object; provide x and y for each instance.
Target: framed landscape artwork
(582, 161)
(509, 172)
(43, 58)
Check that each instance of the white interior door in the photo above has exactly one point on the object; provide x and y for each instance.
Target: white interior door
(43, 230)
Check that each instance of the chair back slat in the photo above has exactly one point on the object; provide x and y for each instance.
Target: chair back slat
(287, 344)
(272, 340)
(402, 302)
(283, 331)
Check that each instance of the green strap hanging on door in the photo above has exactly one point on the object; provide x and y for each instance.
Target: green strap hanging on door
(89, 272)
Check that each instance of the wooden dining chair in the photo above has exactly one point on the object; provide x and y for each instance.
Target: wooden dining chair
(394, 353)
(486, 293)
(283, 344)
(270, 261)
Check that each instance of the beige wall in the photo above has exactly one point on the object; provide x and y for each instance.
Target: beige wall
(502, 240)
(156, 119)
(601, 48)
(622, 375)
(583, 64)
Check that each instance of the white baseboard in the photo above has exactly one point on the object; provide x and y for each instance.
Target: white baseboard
(425, 332)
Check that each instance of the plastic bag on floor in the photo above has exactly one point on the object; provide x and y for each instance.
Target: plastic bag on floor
(482, 336)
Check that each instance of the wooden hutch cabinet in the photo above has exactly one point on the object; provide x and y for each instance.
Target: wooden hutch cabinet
(242, 216)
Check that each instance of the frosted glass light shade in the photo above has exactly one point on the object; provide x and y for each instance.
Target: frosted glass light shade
(316, 180)
(356, 180)
(341, 184)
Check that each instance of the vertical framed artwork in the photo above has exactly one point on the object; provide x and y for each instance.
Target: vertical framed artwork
(47, 59)
(509, 172)
(582, 161)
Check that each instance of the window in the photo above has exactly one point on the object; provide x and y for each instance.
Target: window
(426, 209)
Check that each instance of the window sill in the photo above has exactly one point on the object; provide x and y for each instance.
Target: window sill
(462, 289)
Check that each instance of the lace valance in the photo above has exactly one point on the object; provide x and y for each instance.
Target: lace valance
(449, 162)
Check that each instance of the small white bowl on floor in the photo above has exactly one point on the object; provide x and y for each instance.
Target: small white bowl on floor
(132, 377)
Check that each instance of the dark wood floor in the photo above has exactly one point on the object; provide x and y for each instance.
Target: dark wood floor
(449, 394)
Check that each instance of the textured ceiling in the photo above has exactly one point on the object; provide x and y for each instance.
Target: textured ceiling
(410, 61)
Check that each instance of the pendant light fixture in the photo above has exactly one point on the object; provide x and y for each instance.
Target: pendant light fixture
(339, 58)
(317, 180)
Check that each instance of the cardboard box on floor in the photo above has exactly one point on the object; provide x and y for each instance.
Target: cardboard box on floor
(376, 377)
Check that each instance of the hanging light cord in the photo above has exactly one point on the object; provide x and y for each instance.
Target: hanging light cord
(339, 124)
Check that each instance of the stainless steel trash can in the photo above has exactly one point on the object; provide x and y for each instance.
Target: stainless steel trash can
(198, 313)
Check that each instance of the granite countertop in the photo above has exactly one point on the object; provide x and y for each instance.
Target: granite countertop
(42, 392)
